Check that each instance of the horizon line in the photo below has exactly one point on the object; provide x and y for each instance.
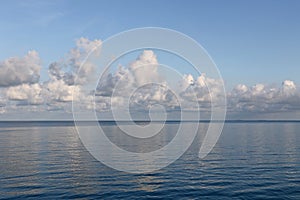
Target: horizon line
(200, 121)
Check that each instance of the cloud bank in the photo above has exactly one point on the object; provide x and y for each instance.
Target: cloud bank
(140, 81)
(264, 98)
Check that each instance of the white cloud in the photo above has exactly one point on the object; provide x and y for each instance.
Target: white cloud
(202, 91)
(67, 69)
(30, 93)
(144, 68)
(288, 88)
(65, 80)
(186, 81)
(141, 81)
(2, 101)
(58, 90)
(123, 77)
(16, 71)
(149, 95)
(21, 76)
(264, 98)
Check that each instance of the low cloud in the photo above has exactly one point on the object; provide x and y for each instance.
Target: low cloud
(67, 69)
(265, 98)
(16, 70)
(30, 93)
(144, 68)
(140, 81)
(65, 80)
(19, 78)
(60, 91)
(202, 89)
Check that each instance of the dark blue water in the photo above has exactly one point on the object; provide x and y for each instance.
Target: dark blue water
(250, 161)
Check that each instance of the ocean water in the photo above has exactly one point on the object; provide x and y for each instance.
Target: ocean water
(252, 160)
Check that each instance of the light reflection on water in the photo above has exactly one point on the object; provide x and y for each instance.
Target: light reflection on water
(251, 160)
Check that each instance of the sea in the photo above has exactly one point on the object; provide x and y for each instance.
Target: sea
(251, 160)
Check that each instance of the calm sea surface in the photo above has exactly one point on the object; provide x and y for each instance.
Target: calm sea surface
(250, 161)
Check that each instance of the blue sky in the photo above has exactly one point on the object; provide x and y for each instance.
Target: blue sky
(250, 41)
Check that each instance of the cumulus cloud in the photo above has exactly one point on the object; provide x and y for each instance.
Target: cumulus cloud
(152, 94)
(30, 93)
(187, 81)
(193, 91)
(141, 81)
(16, 70)
(65, 77)
(67, 69)
(200, 91)
(262, 97)
(144, 68)
(20, 76)
(3, 101)
(107, 84)
(288, 88)
(59, 91)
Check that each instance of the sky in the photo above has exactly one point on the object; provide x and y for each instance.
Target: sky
(251, 42)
